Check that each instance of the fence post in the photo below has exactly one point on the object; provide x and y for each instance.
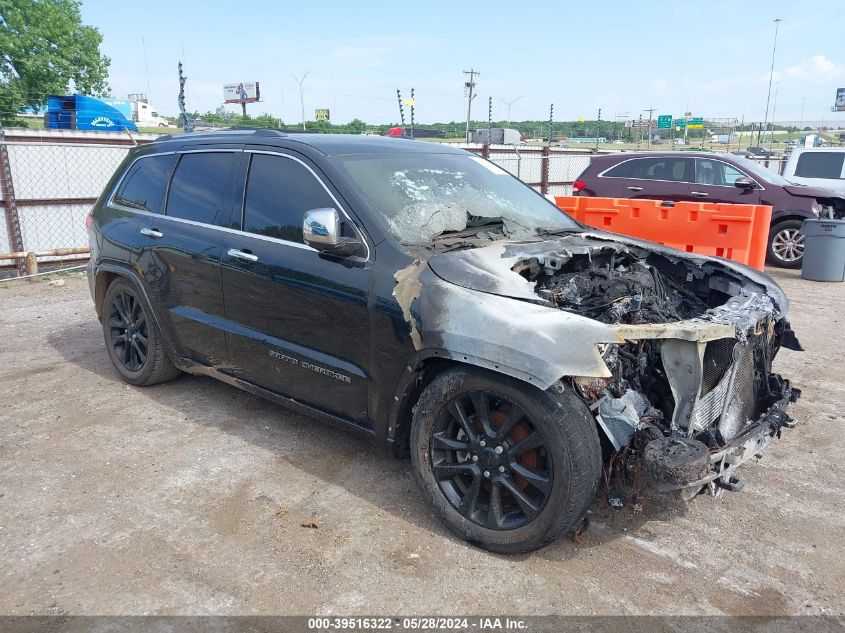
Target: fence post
(544, 170)
(485, 151)
(7, 199)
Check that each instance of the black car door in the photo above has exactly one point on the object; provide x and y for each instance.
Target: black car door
(299, 320)
(178, 253)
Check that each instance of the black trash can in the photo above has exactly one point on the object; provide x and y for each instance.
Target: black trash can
(824, 250)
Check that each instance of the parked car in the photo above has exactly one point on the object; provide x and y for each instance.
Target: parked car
(424, 297)
(714, 177)
(817, 167)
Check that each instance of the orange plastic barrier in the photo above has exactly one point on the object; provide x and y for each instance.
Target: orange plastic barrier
(734, 231)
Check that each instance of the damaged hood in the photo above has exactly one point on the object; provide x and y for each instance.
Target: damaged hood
(489, 269)
(803, 191)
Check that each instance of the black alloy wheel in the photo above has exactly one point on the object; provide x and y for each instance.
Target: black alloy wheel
(490, 460)
(128, 333)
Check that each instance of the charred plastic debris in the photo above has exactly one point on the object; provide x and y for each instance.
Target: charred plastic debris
(680, 414)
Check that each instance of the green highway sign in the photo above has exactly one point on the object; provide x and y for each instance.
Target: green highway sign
(695, 122)
(664, 120)
(680, 123)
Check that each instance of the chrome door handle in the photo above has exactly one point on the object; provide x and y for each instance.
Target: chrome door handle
(635, 188)
(241, 255)
(699, 194)
(151, 233)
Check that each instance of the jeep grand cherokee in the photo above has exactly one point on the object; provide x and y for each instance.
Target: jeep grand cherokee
(423, 296)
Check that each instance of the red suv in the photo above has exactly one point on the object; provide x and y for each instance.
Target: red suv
(710, 177)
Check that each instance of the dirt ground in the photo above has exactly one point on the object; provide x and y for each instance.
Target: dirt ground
(190, 498)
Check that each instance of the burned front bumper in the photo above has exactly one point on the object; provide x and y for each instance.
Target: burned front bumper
(679, 462)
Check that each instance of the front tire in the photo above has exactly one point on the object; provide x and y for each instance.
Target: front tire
(506, 466)
(786, 244)
(132, 339)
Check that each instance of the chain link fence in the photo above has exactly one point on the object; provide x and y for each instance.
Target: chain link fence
(46, 190)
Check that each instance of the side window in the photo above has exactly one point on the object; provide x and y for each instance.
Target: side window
(664, 168)
(715, 172)
(820, 165)
(278, 193)
(201, 188)
(627, 169)
(144, 185)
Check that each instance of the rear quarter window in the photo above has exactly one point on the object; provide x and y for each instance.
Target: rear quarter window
(820, 165)
(145, 183)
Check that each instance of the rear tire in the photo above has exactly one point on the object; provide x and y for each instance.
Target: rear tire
(133, 340)
(786, 244)
(478, 471)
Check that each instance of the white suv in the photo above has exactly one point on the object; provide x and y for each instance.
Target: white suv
(817, 167)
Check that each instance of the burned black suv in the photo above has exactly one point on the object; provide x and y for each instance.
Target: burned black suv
(423, 296)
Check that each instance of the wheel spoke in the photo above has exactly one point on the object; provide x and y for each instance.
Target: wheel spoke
(126, 352)
(446, 443)
(481, 405)
(446, 470)
(120, 308)
(116, 322)
(525, 504)
(534, 440)
(538, 480)
(494, 510)
(140, 354)
(461, 416)
(467, 506)
(514, 415)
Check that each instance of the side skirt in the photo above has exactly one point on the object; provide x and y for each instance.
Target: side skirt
(197, 369)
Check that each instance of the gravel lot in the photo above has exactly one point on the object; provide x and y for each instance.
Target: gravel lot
(190, 498)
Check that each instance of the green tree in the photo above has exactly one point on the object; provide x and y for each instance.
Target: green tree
(44, 46)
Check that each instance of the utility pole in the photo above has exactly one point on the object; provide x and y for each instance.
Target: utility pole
(186, 121)
(401, 110)
(771, 74)
(469, 89)
(302, 96)
(509, 104)
(598, 130)
(412, 112)
(650, 113)
(489, 120)
(640, 131)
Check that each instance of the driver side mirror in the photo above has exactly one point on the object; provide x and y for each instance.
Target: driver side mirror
(321, 229)
(745, 183)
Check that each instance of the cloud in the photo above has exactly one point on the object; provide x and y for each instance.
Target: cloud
(816, 68)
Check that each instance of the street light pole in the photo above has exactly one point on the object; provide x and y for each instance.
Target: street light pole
(771, 74)
(302, 95)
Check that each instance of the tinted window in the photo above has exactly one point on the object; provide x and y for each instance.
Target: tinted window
(627, 169)
(663, 168)
(715, 172)
(145, 183)
(820, 165)
(201, 186)
(278, 193)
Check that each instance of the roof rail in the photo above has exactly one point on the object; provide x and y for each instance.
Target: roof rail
(231, 131)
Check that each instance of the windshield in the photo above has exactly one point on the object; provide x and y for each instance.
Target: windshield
(761, 172)
(422, 196)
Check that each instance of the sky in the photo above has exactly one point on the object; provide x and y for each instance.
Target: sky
(711, 59)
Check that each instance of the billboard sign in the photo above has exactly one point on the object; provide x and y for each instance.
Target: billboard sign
(321, 114)
(839, 105)
(664, 121)
(241, 92)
